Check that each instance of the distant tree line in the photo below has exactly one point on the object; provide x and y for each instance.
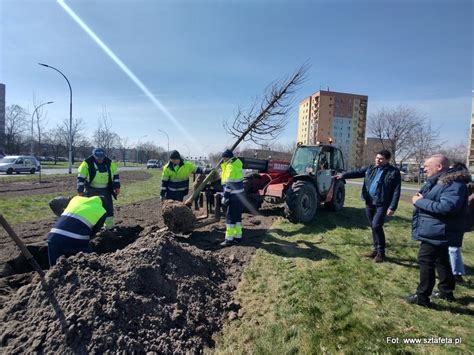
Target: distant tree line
(410, 135)
(24, 136)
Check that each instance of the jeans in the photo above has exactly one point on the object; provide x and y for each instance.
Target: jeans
(431, 257)
(376, 217)
(457, 264)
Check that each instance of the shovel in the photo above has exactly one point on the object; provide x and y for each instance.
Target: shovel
(24, 250)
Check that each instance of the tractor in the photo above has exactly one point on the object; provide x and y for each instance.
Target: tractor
(302, 185)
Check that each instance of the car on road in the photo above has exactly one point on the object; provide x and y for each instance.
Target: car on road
(19, 164)
(153, 164)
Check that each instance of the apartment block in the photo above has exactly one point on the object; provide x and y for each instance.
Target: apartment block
(337, 118)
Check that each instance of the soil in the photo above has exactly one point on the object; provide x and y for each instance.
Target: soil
(49, 185)
(178, 217)
(142, 290)
(157, 295)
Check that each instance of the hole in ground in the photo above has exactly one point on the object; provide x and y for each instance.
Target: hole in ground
(105, 242)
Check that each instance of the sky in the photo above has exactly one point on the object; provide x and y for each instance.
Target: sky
(197, 61)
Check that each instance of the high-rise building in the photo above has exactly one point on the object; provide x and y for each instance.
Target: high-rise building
(470, 159)
(2, 117)
(337, 118)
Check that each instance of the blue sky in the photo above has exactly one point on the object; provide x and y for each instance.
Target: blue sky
(204, 59)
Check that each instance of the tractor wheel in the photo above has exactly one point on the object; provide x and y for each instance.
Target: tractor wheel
(301, 202)
(338, 197)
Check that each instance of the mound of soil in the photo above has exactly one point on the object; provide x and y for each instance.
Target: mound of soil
(157, 294)
(178, 217)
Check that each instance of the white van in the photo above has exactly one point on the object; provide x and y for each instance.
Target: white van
(10, 164)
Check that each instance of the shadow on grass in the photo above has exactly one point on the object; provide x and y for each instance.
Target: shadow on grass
(296, 249)
(412, 263)
(261, 239)
(455, 309)
(349, 218)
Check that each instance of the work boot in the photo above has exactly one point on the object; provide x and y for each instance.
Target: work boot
(416, 299)
(444, 296)
(227, 243)
(238, 240)
(379, 257)
(370, 255)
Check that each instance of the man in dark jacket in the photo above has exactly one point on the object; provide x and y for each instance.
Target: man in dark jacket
(381, 192)
(438, 222)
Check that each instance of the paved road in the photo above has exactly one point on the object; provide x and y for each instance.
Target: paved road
(74, 171)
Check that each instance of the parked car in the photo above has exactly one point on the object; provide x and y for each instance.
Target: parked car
(19, 164)
(153, 164)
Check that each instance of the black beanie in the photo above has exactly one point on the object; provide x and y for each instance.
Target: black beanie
(175, 155)
(227, 154)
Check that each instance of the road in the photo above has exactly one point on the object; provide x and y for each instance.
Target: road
(74, 171)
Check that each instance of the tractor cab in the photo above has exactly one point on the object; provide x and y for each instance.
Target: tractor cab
(320, 162)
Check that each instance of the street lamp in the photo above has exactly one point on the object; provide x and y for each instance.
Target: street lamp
(160, 130)
(70, 113)
(138, 144)
(32, 116)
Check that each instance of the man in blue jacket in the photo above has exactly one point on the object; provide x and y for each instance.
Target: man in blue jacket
(381, 192)
(438, 222)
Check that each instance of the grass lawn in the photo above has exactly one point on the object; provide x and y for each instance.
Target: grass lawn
(414, 185)
(35, 207)
(307, 290)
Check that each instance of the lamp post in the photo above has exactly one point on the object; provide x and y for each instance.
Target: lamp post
(167, 137)
(70, 112)
(32, 116)
(138, 144)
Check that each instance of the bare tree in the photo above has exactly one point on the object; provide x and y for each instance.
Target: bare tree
(76, 132)
(424, 142)
(15, 126)
(104, 137)
(398, 127)
(457, 152)
(56, 143)
(123, 146)
(83, 147)
(264, 121)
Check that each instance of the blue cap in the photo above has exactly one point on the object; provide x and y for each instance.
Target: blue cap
(98, 153)
(227, 154)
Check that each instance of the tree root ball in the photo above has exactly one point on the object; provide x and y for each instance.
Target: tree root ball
(178, 217)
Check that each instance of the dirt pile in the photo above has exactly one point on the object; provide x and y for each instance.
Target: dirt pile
(155, 295)
(178, 217)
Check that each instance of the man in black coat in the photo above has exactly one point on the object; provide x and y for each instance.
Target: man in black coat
(381, 192)
(438, 222)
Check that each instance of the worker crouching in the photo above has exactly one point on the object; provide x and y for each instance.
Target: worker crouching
(232, 179)
(79, 219)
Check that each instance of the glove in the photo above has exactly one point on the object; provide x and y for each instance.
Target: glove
(224, 201)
